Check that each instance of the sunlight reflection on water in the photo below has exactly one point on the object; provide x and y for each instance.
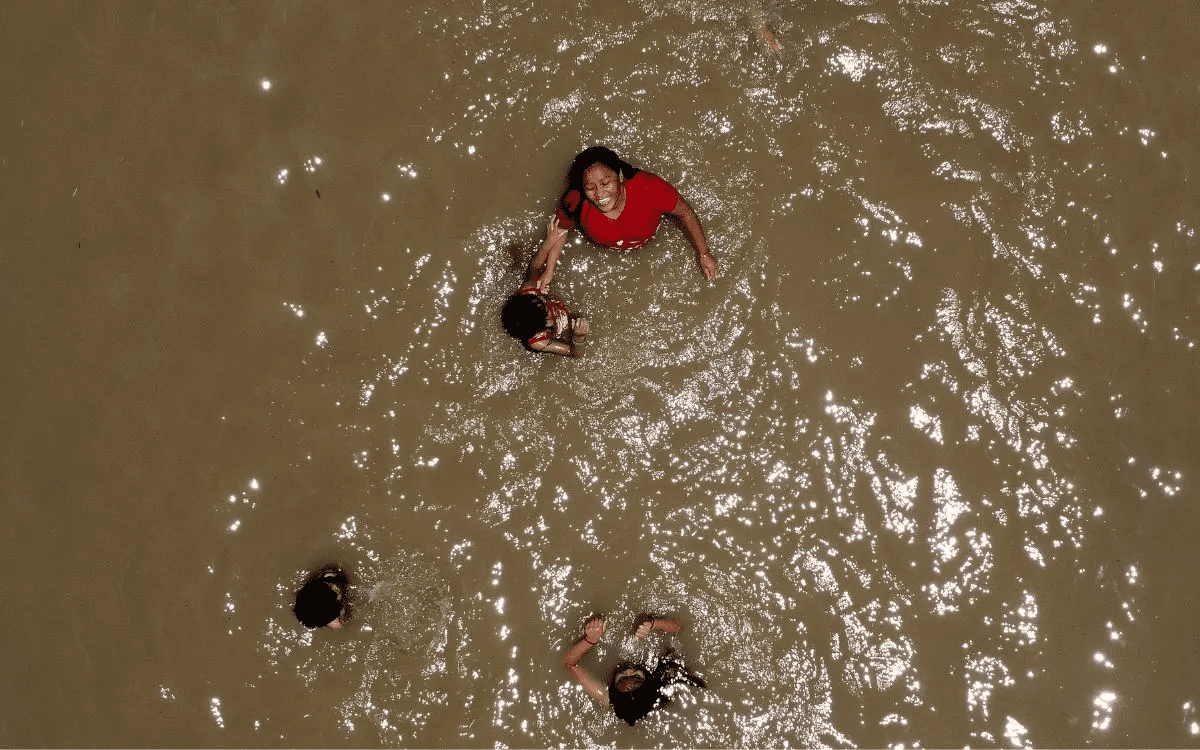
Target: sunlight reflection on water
(844, 450)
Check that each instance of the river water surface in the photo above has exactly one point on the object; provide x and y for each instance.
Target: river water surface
(918, 468)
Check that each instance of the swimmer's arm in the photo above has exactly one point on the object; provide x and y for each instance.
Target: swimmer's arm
(690, 224)
(648, 623)
(555, 347)
(595, 631)
(541, 268)
(666, 624)
(590, 684)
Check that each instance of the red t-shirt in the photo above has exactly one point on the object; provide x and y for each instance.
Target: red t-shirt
(647, 198)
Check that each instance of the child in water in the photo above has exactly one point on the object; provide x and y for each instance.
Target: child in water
(542, 323)
(635, 688)
(324, 599)
(537, 320)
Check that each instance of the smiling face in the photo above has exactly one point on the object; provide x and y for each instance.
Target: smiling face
(603, 187)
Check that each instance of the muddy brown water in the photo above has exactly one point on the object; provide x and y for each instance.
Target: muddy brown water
(918, 468)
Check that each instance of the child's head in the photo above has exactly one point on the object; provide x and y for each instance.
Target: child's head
(524, 315)
(321, 600)
(634, 692)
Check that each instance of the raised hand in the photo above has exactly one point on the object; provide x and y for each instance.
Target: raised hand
(594, 630)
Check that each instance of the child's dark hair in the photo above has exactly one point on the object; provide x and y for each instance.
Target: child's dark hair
(593, 155)
(321, 599)
(524, 315)
(632, 705)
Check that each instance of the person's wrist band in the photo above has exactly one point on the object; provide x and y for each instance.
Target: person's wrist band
(591, 642)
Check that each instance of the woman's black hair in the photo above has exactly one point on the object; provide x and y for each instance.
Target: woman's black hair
(524, 315)
(321, 600)
(633, 704)
(593, 155)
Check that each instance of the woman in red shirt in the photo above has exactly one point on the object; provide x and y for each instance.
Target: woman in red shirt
(618, 206)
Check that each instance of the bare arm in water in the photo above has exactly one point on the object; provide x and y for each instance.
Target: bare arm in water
(646, 623)
(695, 234)
(555, 347)
(541, 268)
(591, 636)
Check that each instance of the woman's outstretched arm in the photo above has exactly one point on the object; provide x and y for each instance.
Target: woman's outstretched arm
(695, 234)
(591, 636)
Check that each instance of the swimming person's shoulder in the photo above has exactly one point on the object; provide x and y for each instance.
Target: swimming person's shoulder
(662, 194)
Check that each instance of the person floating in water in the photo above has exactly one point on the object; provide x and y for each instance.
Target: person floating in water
(634, 689)
(324, 599)
(543, 323)
(618, 206)
(758, 16)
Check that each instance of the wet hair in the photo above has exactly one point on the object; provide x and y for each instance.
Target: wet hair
(321, 599)
(524, 315)
(593, 155)
(631, 705)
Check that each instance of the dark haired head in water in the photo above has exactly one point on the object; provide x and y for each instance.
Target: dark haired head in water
(633, 691)
(324, 599)
(523, 315)
(587, 159)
